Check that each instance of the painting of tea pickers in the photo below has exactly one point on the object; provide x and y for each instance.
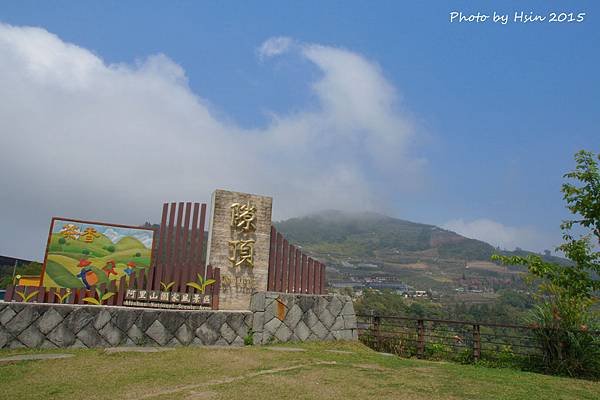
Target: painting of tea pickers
(81, 254)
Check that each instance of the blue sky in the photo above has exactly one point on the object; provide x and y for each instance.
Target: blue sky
(489, 115)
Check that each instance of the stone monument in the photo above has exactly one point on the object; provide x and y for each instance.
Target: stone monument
(238, 243)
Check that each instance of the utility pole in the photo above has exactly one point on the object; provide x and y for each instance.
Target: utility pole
(14, 271)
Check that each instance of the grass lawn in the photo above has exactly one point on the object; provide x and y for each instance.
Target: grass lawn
(262, 373)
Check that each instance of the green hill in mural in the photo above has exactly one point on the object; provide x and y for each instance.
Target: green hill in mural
(129, 242)
(79, 248)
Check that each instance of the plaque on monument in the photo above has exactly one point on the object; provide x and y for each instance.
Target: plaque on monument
(238, 244)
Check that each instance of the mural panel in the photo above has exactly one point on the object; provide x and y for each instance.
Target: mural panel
(81, 254)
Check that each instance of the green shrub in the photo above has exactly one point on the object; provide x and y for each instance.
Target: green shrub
(564, 331)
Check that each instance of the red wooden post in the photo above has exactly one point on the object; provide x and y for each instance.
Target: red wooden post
(200, 244)
(193, 256)
(50, 297)
(272, 259)
(111, 288)
(122, 290)
(278, 263)
(10, 292)
(168, 256)
(298, 277)
(292, 270)
(304, 273)
(41, 296)
(176, 267)
(72, 297)
(159, 254)
(150, 281)
(323, 277)
(317, 278)
(285, 265)
(311, 276)
(80, 295)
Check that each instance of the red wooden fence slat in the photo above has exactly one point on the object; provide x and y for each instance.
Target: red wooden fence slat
(200, 245)
(72, 297)
(311, 276)
(122, 290)
(323, 277)
(188, 250)
(41, 294)
(304, 274)
(285, 265)
(150, 281)
(292, 269)
(176, 266)
(278, 263)
(111, 289)
(272, 257)
(169, 239)
(298, 278)
(79, 296)
(317, 278)
(10, 292)
(50, 297)
(194, 236)
(159, 256)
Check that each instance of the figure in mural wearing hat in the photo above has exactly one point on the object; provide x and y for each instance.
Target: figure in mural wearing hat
(109, 268)
(88, 277)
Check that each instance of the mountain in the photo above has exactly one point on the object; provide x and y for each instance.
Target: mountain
(365, 245)
(367, 233)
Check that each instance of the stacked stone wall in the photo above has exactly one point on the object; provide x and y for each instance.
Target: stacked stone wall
(34, 325)
(274, 317)
(282, 317)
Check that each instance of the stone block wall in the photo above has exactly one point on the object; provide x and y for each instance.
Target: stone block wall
(274, 317)
(281, 317)
(34, 325)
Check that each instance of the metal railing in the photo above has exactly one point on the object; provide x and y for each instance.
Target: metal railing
(449, 339)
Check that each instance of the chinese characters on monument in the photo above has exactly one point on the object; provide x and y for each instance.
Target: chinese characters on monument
(243, 222)
(239, 245)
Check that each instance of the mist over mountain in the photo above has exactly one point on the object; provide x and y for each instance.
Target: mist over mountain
(359, 245)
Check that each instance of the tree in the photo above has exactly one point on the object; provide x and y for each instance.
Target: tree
(582, 195)
(567, 291)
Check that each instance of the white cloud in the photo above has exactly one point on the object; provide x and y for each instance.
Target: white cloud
(274, 46)
(499, 235)
(111, 142)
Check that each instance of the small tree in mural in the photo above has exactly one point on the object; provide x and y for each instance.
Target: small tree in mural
(201, 284)
(61, 298)
(102, 297)
(26, 297)
(567, 291)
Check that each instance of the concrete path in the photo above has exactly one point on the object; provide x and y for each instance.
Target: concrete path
(112, 350)
(34, 357)
(340, 351)
(293, 349)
